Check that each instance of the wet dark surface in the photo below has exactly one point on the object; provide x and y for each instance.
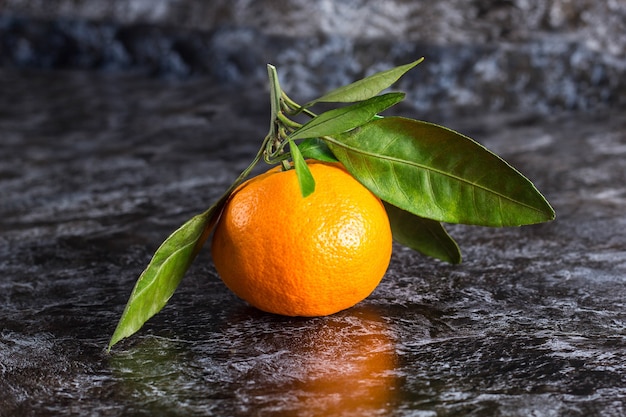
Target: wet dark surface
(97, 169)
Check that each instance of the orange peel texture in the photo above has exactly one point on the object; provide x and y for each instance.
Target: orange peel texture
(296, 256)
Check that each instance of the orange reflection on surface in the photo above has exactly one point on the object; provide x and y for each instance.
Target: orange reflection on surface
(346, 366)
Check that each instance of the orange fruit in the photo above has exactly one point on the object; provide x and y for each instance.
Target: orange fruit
(296, 256)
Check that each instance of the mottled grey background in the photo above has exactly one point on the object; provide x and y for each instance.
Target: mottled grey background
(489, 54)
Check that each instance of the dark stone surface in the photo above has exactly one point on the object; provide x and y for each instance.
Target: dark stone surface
(97, 169)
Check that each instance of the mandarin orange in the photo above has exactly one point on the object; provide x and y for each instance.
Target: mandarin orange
(296, 256)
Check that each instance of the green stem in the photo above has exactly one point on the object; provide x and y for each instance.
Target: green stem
(296, 107)
(287, 121)
(273, 135)
(242, 177)
(275, 96)
(244, 174)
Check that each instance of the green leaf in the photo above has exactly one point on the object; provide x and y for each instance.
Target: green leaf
(305, 178)
(437, 173)
(161, 277)
(426, 236)
(366, 87)
(315, 148)
(343, 119)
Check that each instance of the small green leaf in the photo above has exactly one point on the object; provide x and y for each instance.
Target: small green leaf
(366, 87)
(437, 173)
(426, 236)
(315, 148)
(305, 178)
(343, 119)
(161, 277)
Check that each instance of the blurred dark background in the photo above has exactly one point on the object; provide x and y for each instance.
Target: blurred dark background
(537, 56)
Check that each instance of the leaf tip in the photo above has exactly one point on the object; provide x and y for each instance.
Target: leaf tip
(457, 259)
(307, 191)
(551, 213)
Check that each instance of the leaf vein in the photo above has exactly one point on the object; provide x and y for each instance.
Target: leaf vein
(426, 168)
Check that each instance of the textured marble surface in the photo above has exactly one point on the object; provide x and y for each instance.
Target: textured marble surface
(96, 170)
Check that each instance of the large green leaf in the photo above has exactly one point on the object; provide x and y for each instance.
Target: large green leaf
(423, 235)
(437, 173)
(366, 87)
(159, 280)
(340, 120)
